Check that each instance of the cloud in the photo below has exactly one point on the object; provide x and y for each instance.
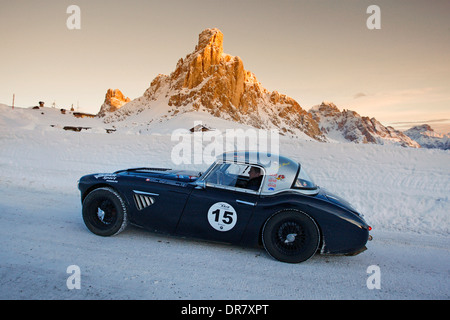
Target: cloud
(426, 121)
(359, 95)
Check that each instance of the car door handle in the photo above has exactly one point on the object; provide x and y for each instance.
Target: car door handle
(246, 202)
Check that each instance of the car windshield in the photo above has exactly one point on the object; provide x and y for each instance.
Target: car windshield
(236, 175)
(303, 181)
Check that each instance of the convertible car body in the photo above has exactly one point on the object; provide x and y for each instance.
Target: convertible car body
(243, 198)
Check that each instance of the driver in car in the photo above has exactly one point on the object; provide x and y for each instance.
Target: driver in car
(255, 178)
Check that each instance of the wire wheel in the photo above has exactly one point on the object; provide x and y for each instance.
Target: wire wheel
(291, 236)
(104, 212)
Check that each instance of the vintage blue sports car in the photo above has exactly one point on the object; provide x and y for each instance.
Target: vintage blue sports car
(244, 198)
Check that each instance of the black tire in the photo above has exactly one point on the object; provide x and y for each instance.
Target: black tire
(291, 236)
(105, 212)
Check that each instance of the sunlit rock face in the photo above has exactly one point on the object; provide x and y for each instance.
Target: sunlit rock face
(212, 80)
(114, 100)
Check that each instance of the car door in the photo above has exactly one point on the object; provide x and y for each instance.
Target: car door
(218, 210)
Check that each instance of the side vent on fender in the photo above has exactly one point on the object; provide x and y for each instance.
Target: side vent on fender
(143, 201)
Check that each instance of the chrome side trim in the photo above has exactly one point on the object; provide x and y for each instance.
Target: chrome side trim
(246, 202)
(145, 193)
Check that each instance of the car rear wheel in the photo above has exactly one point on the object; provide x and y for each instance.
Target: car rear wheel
(105, 212)
(291, 236)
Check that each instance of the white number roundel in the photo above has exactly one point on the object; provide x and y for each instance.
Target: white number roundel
(222, 216)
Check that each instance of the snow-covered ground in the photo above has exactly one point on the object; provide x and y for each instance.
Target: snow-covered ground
(403, 193)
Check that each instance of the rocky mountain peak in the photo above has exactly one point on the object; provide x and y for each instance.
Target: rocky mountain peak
(326, 108)
(210, 80)
(114, 100)
(212, 38)
(348, 125)
(421, 129)
(428, 138)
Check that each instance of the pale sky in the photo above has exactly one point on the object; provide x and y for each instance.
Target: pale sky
(312, 51)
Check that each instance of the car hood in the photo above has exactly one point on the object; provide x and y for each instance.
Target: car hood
(162, 173)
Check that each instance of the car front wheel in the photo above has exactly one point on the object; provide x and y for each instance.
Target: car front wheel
(105, 212)
(291, 236)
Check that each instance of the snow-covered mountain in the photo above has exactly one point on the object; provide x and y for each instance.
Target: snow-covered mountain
(348, 125)
(213, 87)
(428, 138)
(209, 80)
